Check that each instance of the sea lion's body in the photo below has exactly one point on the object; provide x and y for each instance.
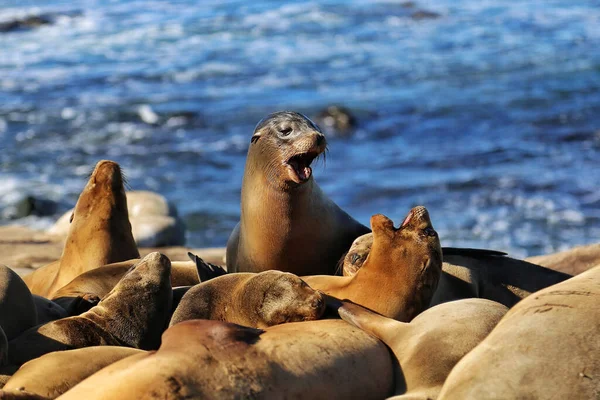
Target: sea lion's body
(573, 261)
(547, 346)
(400, 275)
(133, 314)
(287, 223)
(254, 300)
(475, 273)
(17, 307)
(214, 360)
(53, 374)
(430, 345)
(100, 233)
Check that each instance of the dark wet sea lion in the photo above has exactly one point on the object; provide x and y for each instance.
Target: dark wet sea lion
(546, 346)
(100, 232)
(53, 374)
(17, 308)
(216, 360)
(287, 223)
(133, 314)
(470, 273)
(430, 345)
(401, 272)
(255, 300)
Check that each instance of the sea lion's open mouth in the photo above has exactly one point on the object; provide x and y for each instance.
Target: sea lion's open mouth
(299, 166)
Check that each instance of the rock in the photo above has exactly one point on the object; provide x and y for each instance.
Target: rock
(336, 121)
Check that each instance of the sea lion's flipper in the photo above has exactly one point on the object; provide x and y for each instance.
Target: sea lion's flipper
(468, 252)
(206, 270)
(371, 322)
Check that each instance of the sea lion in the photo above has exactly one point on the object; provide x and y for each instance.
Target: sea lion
(53, 374)
(287, 223)
(204, 359)
(100, 232)
(401, 272)
(255, 300)
(470, 273)
(573, 261)
(545, 347)
(133, 314)
(86, 290)
(17, 308)
(47, 310)
(432, 343)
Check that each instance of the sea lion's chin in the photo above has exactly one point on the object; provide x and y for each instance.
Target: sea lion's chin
(298, 166)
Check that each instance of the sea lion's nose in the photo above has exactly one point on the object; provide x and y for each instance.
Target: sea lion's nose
(320, 139)
(318, 302)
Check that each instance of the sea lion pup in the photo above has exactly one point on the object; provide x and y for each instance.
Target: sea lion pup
(86, 290)
(53, 374)
(17, 308)
(470, 273)
(401, 272)
(100, 232)
(134, 314)
(287, 223)
(432, 343)
(255, 300)
(545, 347)
(203, 359)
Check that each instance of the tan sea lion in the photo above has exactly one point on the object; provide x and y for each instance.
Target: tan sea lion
(547, 346)
(53, 374)
(573, 261)
(134, 314)
(470, 273)
(432, 343)
(17, 308)
(255, 300)
(401, 272)
(203, 359)
(287, 223)
(86, 290)
(100, 232)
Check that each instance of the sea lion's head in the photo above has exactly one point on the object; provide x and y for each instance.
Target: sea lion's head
(355, 257)
(410, 257)
(284, 297)
(103, 195)
(283, 146)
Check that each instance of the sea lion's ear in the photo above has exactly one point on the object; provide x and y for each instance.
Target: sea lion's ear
(72, 215)
(256, 136)
(381, 224)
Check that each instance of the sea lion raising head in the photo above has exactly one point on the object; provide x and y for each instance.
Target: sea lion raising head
(287, 223)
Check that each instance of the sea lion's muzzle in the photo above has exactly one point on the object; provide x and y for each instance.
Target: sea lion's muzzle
(307, 148)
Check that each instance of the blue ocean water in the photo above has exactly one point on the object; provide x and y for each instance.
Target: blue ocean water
(488, 114)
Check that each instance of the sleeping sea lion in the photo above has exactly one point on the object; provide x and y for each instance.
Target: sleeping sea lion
(287, 223)
(100, 232)
(401, 272)
(134, 314)
(547, 346)
(17, 308)
(432, 343)
(204, 359)
(255, 300)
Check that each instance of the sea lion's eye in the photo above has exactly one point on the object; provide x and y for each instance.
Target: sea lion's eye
(430, 232)
(285, 131)
(354, 258)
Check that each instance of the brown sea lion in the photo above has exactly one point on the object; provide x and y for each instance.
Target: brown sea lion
(53, 374)
(547, 346)
(134, 314)
(203, 359)
(432, 343)
(573, 261)
(100, 232)
(287, 223)
(17, 308)
(472, 273)
(401, 273)
(255, 300)
(85, 291)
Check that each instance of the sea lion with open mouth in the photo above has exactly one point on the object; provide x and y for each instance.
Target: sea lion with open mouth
(287, 223)
(401, 273)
